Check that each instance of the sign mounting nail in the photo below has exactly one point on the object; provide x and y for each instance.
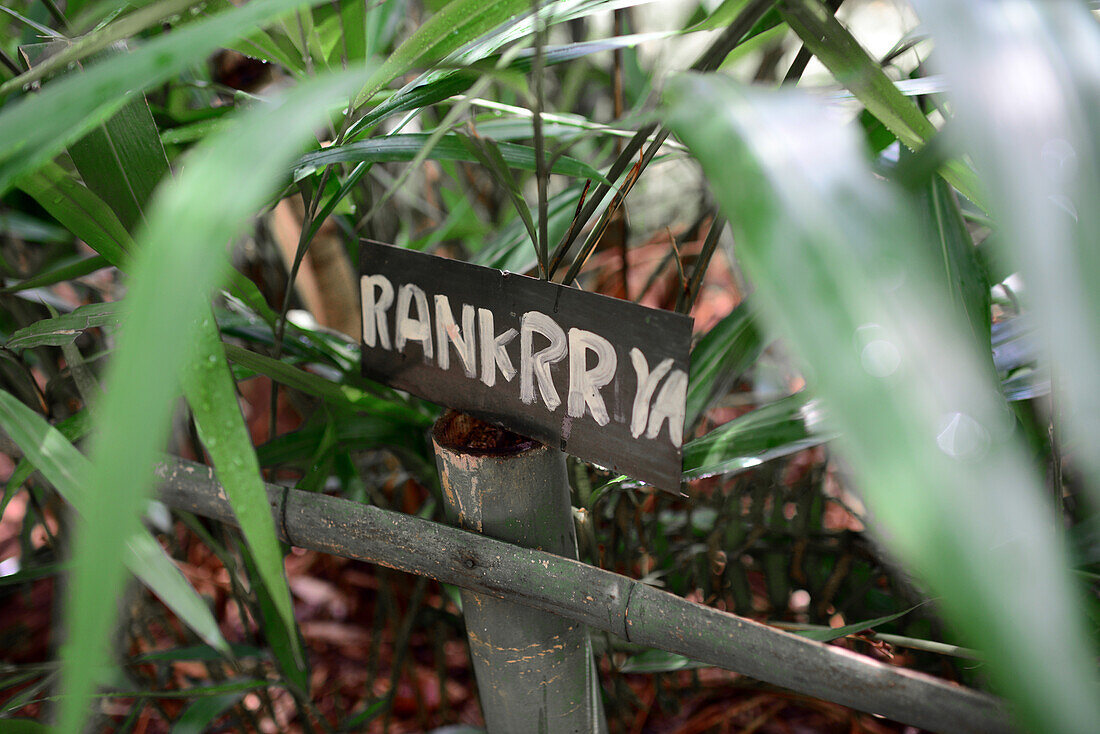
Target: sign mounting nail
(600, 378)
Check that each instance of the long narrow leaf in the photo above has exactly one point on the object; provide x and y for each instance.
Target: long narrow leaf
(65, 329)
(62, 465)
(457, 24)
(835, 256)
(39, 126)
(842, 55)
(835, 633)
(722, 354)
(769, 432)
(177, 264)
(212, 395)
(344, 396)
(964, 280)
(465, 31)
(405, 147)
(437, 85)
(69, 270)
(82, 212)
(123, 161)
(1027, 105)
(99, 40)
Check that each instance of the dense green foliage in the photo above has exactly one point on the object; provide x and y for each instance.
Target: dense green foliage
(874, 208)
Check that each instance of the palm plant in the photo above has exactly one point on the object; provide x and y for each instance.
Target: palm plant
(871, 230)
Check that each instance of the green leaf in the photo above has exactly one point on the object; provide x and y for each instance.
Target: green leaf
(79, 210)
(490, 155)
(458, 23)
(64, 467)
(353, 432)
(212, 395)
(73, 428)
(835, 633)
(179, 259)
(721, 356)
(343, 396)
(122, 161)
(203, 712)
(54, 332)
(271, 46)
(439, 84)
(39, 126)
(98, 40)
(512, 248)
(769, 432)
(69, 270)
(450, 147)
(353, 23)
(835, 255)
(466, 31)
(963, 277)
(285, 639)
(857, 72)
(1039, 161)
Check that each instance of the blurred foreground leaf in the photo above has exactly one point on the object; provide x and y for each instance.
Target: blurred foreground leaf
(857, 72)
(1027, 109)
(63, 466)
(37, 127)
(180, 258)
(834, 254)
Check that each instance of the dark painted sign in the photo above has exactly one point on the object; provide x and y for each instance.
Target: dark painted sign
(601, 378)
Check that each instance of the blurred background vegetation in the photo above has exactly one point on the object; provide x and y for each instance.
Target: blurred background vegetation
(882, 218)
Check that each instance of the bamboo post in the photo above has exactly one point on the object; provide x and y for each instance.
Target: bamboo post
(535, 671)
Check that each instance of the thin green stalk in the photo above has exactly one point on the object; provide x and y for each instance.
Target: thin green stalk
(605, 219)
(687, 298)
(709, 60)
(542, 247)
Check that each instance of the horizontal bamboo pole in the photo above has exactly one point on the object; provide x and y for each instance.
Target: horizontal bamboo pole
(632, 610)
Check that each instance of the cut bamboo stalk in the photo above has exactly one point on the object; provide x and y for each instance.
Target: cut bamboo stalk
(600, 599)
(535, 671)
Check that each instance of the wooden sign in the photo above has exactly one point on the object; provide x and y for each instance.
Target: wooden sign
(600, 378)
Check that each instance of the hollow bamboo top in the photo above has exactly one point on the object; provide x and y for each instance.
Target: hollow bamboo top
(464, 433)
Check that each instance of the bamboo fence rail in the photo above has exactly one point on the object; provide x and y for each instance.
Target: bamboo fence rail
(608, 601)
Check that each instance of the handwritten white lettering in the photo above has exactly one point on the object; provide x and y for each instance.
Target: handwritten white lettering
(418, 329)
(493, 353)
(534, 365)
(374, 309)
(647, 385)
(593, 359)
(464, 341)
(584, 383)
(670, 405)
